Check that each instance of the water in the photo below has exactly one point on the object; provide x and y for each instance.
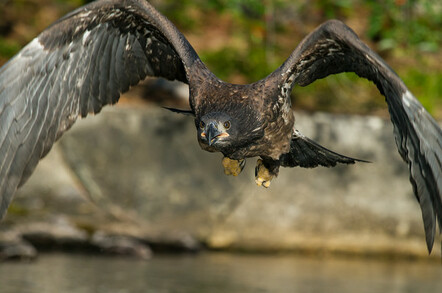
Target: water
(216, 273)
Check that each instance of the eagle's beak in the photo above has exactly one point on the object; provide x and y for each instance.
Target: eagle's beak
(212, 133)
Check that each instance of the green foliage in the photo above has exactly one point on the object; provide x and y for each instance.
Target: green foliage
(333, 9)
(341, 93)
(228, 62)
(427, 87)
(257, 36)
(74, 2)
(412, 23)
(8, 48)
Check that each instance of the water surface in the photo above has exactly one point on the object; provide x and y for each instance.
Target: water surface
(56, 273)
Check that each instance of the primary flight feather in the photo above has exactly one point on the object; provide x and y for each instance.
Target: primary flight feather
(86, 59)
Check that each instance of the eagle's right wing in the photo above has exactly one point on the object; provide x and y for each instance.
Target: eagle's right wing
(79, 64)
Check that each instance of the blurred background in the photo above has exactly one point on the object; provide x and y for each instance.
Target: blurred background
(244, 40)
(132, 181)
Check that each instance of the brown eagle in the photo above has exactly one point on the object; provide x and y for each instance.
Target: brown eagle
(86, 59)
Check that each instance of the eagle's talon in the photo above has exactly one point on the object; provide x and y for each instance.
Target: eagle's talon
(233, 167)
(263, 176)
(261, 182)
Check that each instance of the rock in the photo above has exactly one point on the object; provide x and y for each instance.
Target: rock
(178, 242)
(120, 245)
(139, 172)
(17, 251)
(12, 247)
(148, 167)
(55, 235)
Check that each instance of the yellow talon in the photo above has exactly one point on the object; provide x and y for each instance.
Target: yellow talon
(262, 174)
(233, 167)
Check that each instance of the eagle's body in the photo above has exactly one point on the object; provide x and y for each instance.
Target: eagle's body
(86, 59)
(263, 117)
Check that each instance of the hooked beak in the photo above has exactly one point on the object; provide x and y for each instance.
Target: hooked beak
(212, 133)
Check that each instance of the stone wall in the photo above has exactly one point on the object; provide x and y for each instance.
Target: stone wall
(139, 172)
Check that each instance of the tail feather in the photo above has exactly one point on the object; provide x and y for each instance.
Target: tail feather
(307, 153)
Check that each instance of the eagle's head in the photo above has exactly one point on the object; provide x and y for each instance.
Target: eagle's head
(217, 130)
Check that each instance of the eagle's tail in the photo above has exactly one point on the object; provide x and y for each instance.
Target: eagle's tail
(307, 153)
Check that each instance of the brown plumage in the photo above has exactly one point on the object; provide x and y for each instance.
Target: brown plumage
(88, 58)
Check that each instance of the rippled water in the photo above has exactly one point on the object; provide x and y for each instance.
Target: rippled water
(55, 273)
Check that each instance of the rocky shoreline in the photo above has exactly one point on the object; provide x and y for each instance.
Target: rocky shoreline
(132, 181)
(44, 237)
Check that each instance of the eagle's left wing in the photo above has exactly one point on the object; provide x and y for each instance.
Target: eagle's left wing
(333, 48)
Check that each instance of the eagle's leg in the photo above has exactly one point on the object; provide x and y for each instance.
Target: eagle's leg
(233, 167)
(265, 170)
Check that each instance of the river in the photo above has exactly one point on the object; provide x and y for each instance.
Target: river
(217, 273)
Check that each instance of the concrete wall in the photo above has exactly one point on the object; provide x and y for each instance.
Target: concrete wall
(139, 171)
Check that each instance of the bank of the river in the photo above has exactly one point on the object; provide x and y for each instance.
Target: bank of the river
(133, 179)
(218, 273)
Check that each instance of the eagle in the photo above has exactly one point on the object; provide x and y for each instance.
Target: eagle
(89, 57)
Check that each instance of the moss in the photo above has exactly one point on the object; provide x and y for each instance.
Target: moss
(17, 210)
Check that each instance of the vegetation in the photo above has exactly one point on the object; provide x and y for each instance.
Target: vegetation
(244, 40)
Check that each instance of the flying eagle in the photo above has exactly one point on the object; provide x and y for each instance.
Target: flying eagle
(86, 59)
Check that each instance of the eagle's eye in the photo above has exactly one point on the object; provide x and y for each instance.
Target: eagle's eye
(227, 125)
(202, 124)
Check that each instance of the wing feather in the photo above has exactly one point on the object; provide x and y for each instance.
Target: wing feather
(81, 63)
(333, 48)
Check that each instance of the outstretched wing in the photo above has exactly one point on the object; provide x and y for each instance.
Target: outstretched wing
(79, 64)
(333, 48)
